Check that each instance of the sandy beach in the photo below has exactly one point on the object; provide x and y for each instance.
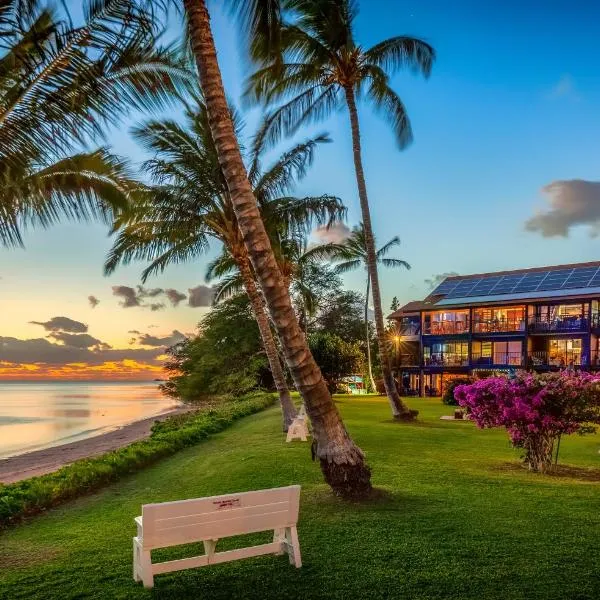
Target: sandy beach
(48, 460)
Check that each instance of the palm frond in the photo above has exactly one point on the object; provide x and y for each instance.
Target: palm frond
(395, 263)
(401, 52)
(393, 243)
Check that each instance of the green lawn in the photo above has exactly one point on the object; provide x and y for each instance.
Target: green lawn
(455, 518)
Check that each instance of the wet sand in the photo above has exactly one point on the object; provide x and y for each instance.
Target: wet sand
(47, 460)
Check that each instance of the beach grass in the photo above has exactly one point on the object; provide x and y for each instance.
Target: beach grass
(454, 516)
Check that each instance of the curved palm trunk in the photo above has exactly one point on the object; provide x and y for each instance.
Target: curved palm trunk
(342, 461)
(258, 308)
(399, 409)
(369, 363)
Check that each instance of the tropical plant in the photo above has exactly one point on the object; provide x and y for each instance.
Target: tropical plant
(226, 357)
(189, 202)
(352, 254)
(336, 357)
(321, 65)
(536, 410)
(341, 460)
(60, 86)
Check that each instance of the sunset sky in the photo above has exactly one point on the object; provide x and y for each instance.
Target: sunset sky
(503, 174)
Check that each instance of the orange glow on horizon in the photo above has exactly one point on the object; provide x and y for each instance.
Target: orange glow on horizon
(119, 370)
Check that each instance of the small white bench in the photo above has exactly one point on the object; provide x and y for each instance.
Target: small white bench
(298, 430)
(209, 519)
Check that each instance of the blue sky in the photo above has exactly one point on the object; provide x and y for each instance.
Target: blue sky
(511, 106)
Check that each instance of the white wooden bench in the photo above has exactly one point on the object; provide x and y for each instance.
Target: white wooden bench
(209, 519)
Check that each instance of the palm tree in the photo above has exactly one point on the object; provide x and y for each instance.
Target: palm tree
(342, 461)
(353, 254)
(322, 67)
(301, 266)
(173, 220)
(59, 87)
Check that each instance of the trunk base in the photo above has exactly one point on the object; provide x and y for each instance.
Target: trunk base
(352, 482)
(407, 417)
(288, 410)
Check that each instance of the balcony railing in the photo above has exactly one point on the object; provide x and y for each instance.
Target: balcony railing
(555, 359)
(498, 325)
(410, 329)
(443, 359)
(445, 327)
(408, 360)
(541, 324)
(498, 358)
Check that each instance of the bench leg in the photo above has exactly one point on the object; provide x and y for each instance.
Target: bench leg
(293, 546)
(279, 536)
(146, 569)
(136, 561)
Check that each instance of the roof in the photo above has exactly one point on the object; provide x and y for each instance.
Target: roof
(573, 280)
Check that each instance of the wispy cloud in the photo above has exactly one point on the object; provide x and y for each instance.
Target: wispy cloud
(564, 88)
(435, 280)
(93, 301)
(62, 324)
(335, 234)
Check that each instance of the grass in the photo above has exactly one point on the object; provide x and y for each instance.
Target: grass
(455, 517)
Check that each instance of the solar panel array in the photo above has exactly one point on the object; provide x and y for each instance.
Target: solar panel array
(518, 283)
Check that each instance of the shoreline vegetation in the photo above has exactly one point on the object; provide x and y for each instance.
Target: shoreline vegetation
(167, 436)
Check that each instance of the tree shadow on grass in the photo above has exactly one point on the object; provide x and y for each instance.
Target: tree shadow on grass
(558, 471)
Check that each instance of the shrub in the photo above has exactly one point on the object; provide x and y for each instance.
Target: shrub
(448, 397)
(39, 493)
(535, 409)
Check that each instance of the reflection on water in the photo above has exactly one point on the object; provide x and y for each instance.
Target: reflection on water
(38, 415)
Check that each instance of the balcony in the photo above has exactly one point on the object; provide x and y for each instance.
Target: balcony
(498, 326)
(563, 324)
(445, 327)
(561, 360)
(596, 321)
(442, 359)
(498, 359)
(408, 360)
(408, 329)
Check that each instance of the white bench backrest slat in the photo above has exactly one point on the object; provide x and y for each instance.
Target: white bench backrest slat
(185, 521)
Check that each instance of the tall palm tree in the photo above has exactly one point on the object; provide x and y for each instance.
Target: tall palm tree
(301, 266)
(189, 203)
(60, 86)
(322, 67)
(352, 253)
(342, 461)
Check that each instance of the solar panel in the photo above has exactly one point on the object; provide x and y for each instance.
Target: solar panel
(517, 283)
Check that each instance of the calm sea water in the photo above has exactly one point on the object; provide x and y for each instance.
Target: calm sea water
(40, 415)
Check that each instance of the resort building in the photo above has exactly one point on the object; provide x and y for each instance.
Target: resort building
(540, 319)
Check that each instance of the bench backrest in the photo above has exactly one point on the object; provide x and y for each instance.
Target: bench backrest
(186, 521)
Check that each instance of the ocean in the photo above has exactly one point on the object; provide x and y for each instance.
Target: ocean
(36, 415)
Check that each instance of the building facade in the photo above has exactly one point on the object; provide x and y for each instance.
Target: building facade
(539, 319)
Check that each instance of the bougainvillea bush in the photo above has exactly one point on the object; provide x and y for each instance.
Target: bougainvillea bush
(535, 409)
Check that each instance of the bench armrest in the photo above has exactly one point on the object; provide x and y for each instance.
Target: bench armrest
(140, 527)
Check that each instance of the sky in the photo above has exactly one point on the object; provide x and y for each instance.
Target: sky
(502, 174)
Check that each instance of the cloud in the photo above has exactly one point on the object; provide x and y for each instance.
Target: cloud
(62, 324)
(435, 280)
(79, 340)
(335, 234)
(152, 327)
(42, 351)
(149, 293)
(564, 88)
(572, 202)
(128, 294)
(134, 331)
(155, 341)
(201, 295)
(93, 301)
(156, 306)
(174, 296)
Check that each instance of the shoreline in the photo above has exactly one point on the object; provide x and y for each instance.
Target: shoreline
(47, 460)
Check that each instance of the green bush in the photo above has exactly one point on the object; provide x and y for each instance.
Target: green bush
(448, 396)
(39, 493)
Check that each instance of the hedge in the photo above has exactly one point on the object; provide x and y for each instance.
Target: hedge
(34, 495)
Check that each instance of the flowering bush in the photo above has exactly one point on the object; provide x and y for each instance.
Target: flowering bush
(535, 409)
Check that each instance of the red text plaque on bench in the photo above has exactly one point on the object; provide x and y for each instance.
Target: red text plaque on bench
(230, 503)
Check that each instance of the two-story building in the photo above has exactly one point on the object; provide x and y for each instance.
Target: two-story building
(540, 319)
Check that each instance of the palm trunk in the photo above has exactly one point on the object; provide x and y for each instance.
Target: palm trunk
(288, 409)
(369, 364)
(399, 409)
(342, 461)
